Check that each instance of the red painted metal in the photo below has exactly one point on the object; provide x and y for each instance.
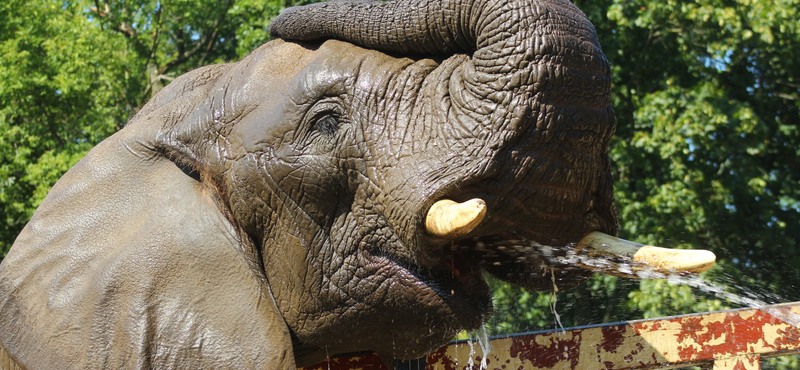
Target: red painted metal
(366, 361)
(730, 340)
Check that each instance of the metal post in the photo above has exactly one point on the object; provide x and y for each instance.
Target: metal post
(731, 340)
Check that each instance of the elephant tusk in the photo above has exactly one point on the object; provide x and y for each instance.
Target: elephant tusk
(448, 219)
(637, 258)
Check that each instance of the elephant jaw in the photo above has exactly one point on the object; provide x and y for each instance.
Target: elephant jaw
(596, 252)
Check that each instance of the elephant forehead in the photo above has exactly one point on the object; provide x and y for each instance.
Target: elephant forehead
(272, 90)
(338, 68)
(275, 61)
(281, 70)
(307, 71)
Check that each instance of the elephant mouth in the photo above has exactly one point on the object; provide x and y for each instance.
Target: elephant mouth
(451, 220)
(449, 289)
(458, 282)
(517, 257)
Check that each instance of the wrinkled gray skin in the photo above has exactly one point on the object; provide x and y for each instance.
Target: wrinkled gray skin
(265, 213)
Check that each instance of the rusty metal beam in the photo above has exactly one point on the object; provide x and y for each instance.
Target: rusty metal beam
(365, 361)
(734, 339)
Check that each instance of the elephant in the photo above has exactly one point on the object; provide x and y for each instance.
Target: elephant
(343, 188)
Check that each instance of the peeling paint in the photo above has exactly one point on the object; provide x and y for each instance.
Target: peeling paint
(359, 362)
(731, 340)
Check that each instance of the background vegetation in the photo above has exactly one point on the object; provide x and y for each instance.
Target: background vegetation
(707, 152)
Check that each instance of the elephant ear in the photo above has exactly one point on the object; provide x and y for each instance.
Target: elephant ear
(130, 263)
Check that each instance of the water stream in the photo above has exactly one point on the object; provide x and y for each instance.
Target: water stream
(482, 337)
(748, 298)
(720, 291)
(726, 288)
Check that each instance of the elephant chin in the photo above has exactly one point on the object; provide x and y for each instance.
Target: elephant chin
(444, 297)
(418, 309)
(431, 302)
(458, 284)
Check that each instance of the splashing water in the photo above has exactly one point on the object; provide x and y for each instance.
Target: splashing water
(470, 363)
(566, 256)
(627, 266)
(483, 340)
(554, 300)
(696, 282)
(482, 337)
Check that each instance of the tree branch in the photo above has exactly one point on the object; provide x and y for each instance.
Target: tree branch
(120, 26)
(204, 45)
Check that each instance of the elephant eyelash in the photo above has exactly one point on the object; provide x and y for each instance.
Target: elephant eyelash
(322, 121)
(326, 124)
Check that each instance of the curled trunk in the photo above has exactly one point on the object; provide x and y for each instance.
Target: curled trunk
(534, 66)
(512, 40)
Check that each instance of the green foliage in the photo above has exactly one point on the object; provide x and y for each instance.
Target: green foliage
(781, 363)
(75, 71)
(707, 149)
(518, 310)
(706, 154)
(57, 99)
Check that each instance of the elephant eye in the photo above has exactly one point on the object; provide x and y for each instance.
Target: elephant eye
(327, 124)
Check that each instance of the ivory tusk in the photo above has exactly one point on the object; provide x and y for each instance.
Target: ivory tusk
(628, 259)
(448, 219)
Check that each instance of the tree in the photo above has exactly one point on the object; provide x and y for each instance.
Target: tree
(706, 154)
(75, 71)
(58, 97)
(708, 150)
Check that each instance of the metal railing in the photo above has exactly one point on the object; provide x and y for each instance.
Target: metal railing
(723, 340)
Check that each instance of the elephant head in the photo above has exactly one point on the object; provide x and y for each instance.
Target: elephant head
(325, 196)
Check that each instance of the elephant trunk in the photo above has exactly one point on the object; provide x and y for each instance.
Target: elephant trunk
(506, 35)
(408, 27)
(533, 62)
